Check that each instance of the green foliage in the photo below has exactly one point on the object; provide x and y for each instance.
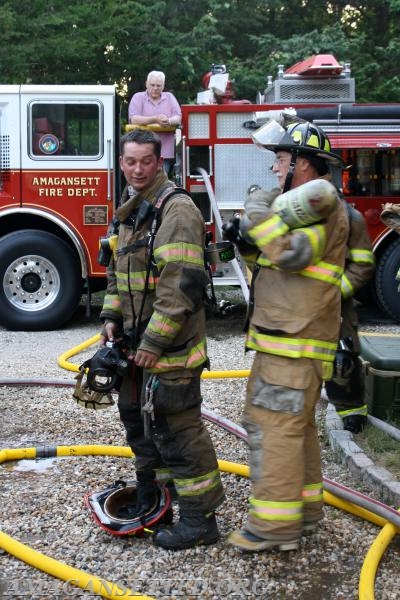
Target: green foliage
(120, 41)
(381, 448)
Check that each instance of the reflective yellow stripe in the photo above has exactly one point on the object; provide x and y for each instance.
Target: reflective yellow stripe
(327, 370)
(316, 236)
(360, 410)
(194, 358)
(112, 302)
(291, 347)
(196, 486)
(312, 492)
(268, 230)
(324, 271)
(164, 326)
(179, 252)
(134, 281)
(361, 255)
(163, 475)
(346, 288)
(276, 511)
(265, 262)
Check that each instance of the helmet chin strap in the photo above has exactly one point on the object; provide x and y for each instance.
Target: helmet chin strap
(290, 173)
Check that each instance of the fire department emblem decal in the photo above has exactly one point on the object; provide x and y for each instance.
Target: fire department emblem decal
(49, 143)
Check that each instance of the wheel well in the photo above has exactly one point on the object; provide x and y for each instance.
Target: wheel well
(18, 221)
(384, 243)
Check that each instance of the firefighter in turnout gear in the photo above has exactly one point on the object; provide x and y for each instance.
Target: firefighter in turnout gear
(346, 389)
(294, 320)
(155, 298)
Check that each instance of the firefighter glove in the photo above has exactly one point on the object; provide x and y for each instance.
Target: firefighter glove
(258, 202)
(232, 231)
(298, 256)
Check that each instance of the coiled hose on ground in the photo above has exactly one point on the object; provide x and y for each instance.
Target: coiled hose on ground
(335, 494)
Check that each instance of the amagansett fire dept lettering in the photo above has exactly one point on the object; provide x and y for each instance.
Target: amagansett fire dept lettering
(72, 186)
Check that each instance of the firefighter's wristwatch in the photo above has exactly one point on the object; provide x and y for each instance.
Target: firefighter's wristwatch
(253, 188)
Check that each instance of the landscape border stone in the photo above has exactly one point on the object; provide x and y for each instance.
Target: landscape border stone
(359, 464)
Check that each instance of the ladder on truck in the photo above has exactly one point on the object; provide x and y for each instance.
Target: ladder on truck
(218, 222)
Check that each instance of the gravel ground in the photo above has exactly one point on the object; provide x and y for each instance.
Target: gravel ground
(42, 500)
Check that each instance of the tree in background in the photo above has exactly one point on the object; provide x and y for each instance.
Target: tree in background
(119, 41)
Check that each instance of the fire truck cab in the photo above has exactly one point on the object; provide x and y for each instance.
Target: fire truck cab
(57, 192)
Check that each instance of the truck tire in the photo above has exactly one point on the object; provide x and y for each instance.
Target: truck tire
(386, 283)
(40, 281)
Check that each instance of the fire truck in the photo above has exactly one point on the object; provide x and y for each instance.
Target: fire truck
(60, 183)
(57, 194)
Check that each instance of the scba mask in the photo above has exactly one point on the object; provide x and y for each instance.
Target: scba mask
(107, 367)
(114, 509)
(88, 398)
(101, 375)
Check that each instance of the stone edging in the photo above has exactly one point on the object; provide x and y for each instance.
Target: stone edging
(359, 464)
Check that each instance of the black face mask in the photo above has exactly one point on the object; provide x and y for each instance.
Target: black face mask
(106, 368)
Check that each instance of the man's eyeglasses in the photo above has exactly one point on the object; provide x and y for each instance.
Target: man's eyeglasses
(281, 160)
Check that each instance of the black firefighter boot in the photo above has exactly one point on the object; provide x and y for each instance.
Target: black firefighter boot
(354, 423)
(193, 529)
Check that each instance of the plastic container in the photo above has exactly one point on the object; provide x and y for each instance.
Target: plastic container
(381, 366)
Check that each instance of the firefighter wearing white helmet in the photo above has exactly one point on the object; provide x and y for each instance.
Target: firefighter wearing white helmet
(346, 389)
(293, 327)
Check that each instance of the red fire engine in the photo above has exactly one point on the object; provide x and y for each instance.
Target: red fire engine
(59, 183)
(220, 162)
(57, 193)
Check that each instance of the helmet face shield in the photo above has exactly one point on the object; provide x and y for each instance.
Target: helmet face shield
(270, 135)
(302, 137)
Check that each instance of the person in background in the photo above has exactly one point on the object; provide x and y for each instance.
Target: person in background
(156, 283)
(154, 106)
(294, 321)
(346, 389)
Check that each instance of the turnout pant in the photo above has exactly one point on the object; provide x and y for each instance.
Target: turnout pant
(178, 443)
(285, 460)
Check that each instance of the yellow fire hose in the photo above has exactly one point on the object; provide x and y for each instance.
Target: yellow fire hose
(112, 590)
(63, 362)
(372, 560)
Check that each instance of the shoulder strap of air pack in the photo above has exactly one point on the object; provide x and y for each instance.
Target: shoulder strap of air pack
(164, 196)
(158, 207)
(159, 204)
